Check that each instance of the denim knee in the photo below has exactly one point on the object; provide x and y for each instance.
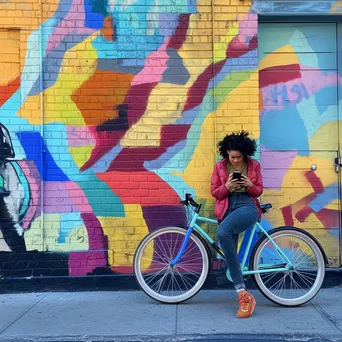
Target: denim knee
(223, 233)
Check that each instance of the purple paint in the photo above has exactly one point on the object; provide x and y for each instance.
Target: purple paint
(275, 165)
(82, 263)
(162, 216)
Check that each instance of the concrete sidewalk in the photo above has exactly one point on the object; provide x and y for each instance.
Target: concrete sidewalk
(132, 316)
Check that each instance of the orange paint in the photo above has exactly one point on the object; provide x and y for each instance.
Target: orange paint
(108, 28)
(98, 97)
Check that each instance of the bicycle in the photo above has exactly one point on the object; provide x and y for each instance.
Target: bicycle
(186, 261)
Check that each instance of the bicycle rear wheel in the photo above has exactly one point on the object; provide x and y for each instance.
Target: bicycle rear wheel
(157, 278)
(295, 286)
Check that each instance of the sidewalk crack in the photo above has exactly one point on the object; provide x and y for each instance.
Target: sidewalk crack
(330, 320)
(176, 327)
(21, 315)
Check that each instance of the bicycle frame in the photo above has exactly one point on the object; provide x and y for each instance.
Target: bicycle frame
(194, 226)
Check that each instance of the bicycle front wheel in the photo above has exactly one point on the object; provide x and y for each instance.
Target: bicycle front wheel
(157, 278)
(302, 281)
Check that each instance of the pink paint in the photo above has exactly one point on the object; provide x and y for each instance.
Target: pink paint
(73, 23)
(78, 197)
(97, 239)
(275, 165)
(154, 68)
(80, 136)
(311, 82)
(248, 27)
(56, 198)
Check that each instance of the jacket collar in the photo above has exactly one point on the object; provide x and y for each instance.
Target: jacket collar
(249, 165)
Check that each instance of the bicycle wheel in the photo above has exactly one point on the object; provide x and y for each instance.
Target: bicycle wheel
(157, 278)
(295, 286)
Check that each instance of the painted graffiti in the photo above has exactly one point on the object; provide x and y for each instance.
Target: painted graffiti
(299, 128)
(125, 126)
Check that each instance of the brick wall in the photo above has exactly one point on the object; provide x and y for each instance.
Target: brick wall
(115, 112)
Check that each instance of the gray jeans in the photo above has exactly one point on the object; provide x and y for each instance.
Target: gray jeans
(241, 215)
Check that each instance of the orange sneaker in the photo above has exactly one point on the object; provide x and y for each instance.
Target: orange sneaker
(247, 304)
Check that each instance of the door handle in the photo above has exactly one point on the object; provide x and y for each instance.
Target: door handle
(337, 164)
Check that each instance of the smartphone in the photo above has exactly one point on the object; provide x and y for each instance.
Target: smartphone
(237, 175)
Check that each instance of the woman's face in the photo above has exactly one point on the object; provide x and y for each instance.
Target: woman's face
(235, 157)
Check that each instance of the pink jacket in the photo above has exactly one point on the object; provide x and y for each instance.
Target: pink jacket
(220, 191)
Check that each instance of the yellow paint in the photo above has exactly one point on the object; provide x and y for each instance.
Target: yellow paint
(325, 138)
(80, 154)
(124, 234)
(235, 113)
(77, 239)
(198, 172)
(337, 7)
(165, 106)
(34, 236)
(296, 187)
(9, 56)
(78, 65)
(282, 56)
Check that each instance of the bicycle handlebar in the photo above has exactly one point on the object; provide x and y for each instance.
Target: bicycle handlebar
(189, 200)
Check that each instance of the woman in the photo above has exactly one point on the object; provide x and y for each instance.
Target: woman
(236, 205)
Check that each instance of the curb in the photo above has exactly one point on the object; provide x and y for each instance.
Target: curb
(124, 282)
(186, 338)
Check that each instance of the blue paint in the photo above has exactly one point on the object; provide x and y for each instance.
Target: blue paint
(329, 195)
(232, 65)
(108, 204)
(133, 40)
(326, 97)
(279, 91)
(192, 8)
(95, 12)
(68, 222)
(275, 127)
(104, 162)
(88, 181)
(291, 7)
(32, 143)
(165, 157)
(188, 116)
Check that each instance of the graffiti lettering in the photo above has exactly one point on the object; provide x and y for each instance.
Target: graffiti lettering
(288, 94)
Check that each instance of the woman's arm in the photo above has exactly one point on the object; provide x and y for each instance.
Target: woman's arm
(218, 190)
(257, 188)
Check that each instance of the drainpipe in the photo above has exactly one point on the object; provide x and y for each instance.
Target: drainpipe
(214, 74)
(41, 96)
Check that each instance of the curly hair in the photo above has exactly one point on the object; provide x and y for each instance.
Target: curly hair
(237, 141)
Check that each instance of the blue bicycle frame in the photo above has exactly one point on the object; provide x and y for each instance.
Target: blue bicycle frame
(245, 271)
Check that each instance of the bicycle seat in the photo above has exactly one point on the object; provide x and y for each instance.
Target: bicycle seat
(265, 207)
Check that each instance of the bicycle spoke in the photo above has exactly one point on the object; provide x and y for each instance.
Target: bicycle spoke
(300, 279)
(172, 282)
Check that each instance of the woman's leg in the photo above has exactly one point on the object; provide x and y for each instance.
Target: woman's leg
(233, 224)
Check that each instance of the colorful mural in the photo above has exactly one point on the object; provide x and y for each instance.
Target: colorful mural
(299, 133)
(117, 108)
(114, 109)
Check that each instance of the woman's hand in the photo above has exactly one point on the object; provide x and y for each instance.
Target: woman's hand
(245, 181)
(232, 184)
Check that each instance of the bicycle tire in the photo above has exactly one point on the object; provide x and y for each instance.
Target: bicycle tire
(321, 260)
(153, 294)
